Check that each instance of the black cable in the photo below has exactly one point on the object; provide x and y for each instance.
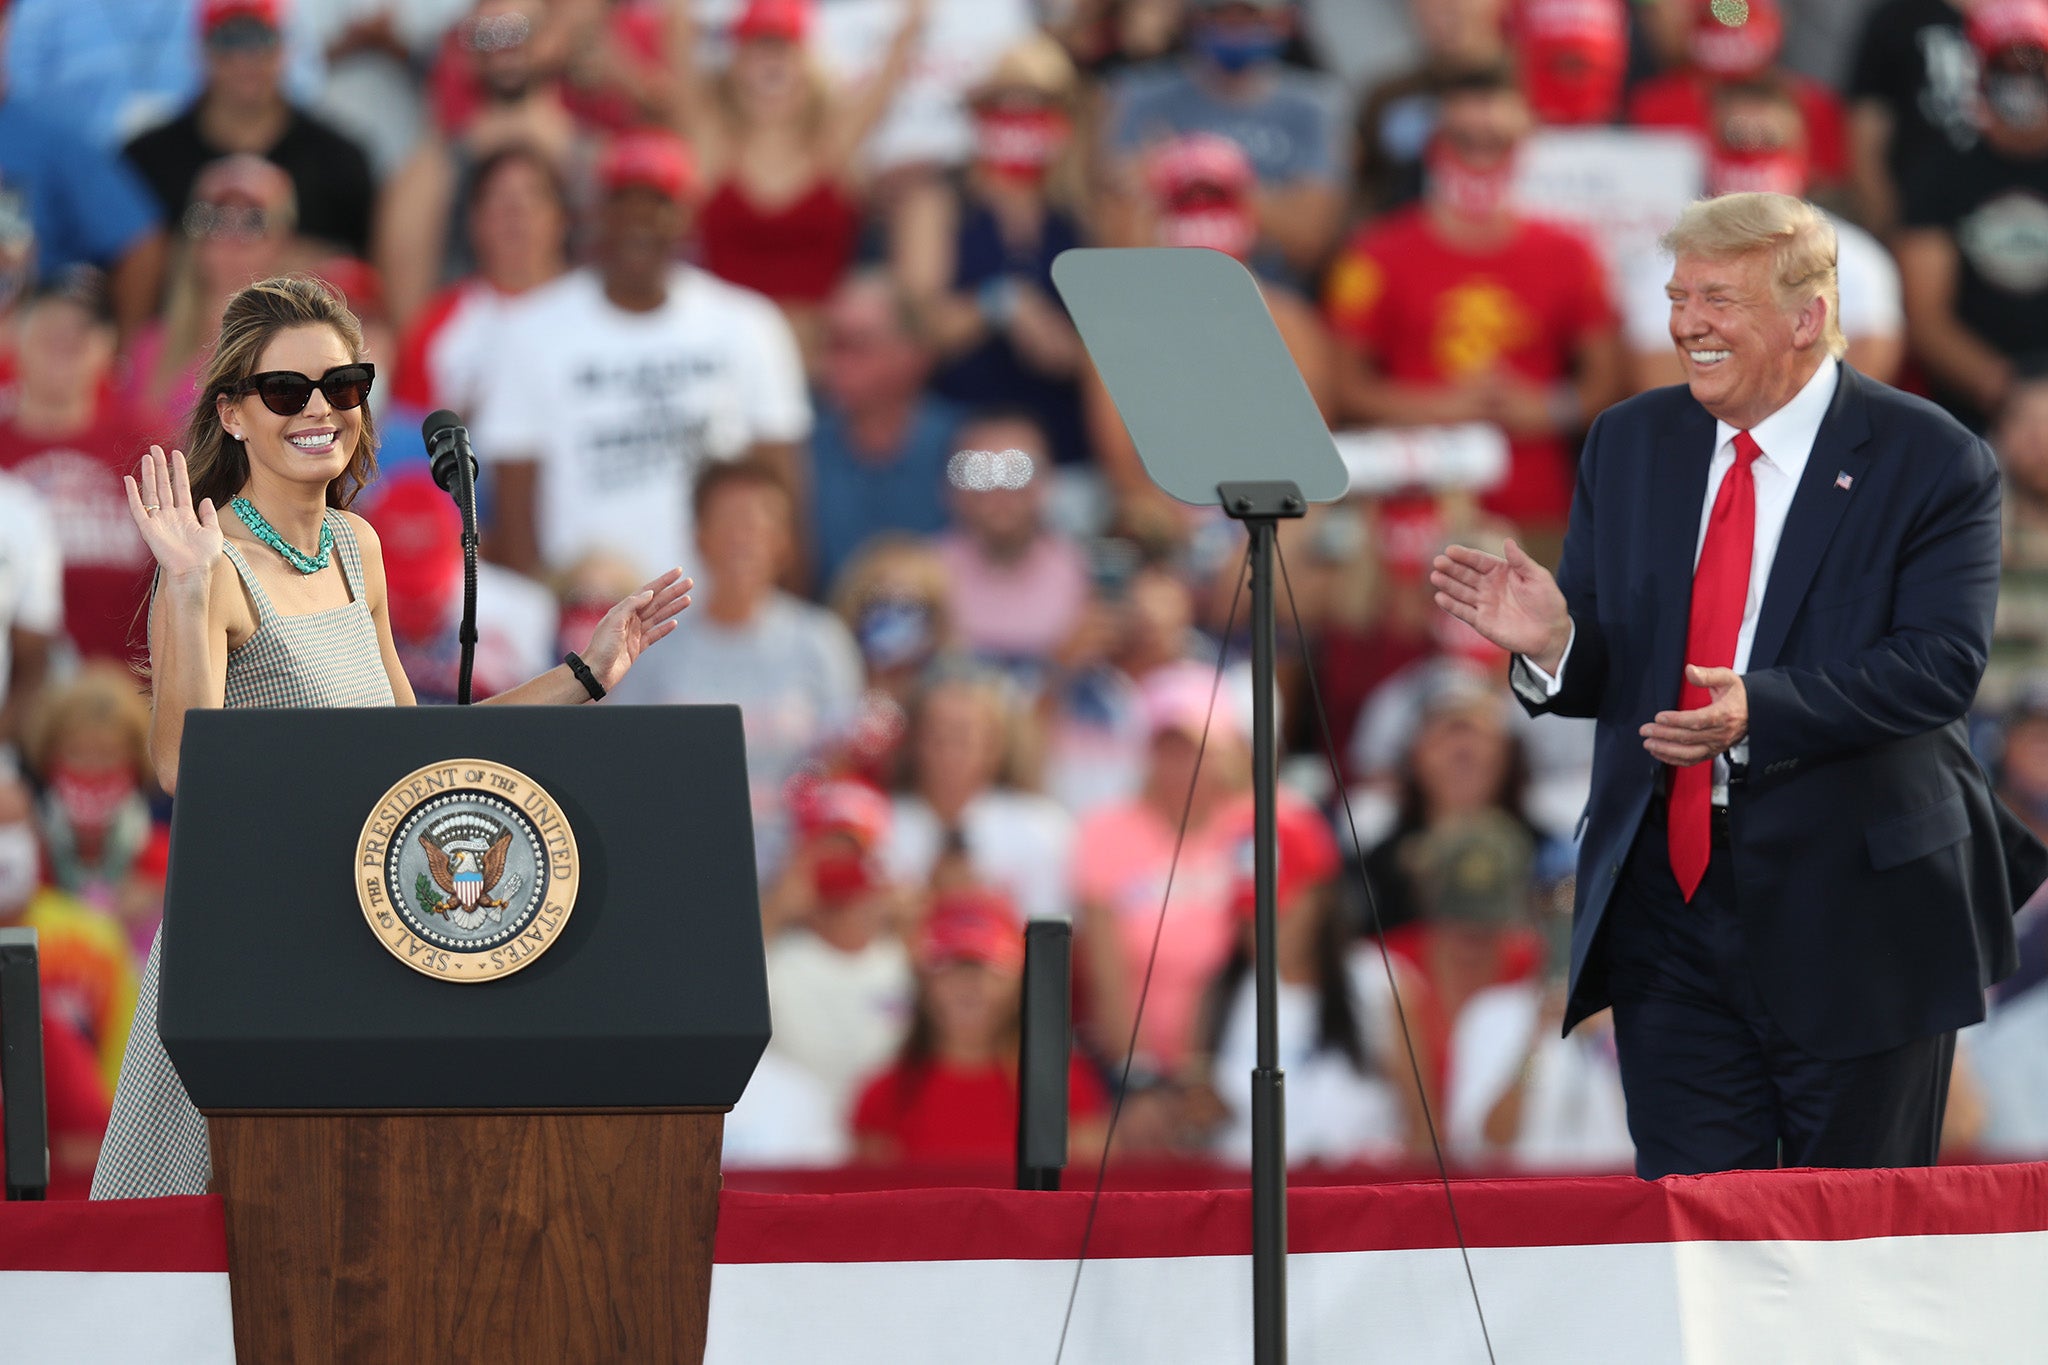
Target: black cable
(1145, 985)
(1386, 963)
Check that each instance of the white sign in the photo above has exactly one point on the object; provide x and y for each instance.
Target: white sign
(1623, 187)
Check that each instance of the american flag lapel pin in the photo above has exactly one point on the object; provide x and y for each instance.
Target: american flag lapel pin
(1843, 481)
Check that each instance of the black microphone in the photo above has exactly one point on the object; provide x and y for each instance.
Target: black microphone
(448, 447)
(455, 470)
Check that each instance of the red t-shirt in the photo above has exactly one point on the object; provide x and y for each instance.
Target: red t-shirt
(106, 563)
(1685, 99)
(1426, 312)
(959, 1113)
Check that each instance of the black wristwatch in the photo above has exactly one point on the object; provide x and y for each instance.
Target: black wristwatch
(585, 676)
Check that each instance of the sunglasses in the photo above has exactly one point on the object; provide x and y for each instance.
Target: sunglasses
(286, 392)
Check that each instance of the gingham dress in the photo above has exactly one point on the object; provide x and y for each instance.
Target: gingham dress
(156, 1143)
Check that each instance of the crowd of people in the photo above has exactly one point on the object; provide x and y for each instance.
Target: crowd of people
(763, 288)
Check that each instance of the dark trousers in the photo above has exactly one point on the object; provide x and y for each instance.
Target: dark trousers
(1711, 1082)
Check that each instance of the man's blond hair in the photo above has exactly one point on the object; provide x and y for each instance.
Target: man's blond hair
(1799, 237)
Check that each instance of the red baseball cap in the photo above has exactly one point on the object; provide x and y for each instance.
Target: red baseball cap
(843, 806)
(360, 287)
(972, 924)
(786, 20)
(1733, 39)
(214, 13)
(648, 159)
(2009, 23)
(1308, 856)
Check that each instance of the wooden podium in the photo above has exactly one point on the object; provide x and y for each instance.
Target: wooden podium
(424, 1167)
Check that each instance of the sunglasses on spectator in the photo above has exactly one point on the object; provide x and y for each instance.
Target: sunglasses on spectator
(498, 33)
(286, 392)
(241, 221)
(243, 35)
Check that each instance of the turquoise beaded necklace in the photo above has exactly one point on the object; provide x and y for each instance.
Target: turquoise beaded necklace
(293, 555)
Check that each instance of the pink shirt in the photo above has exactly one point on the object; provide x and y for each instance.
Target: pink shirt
(1020, 610)
(1121, 856)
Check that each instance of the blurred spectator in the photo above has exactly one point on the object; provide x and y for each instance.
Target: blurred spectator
(1460, 309)
(839, 973)
(1820, 39)
(87, 969)
(243, 109)
(1457, 756)
(71, 437)
(788, 663)
(613, 386)
(240, 228)
(88, 744)
(618, 60)
(1099, 739)
(976, 257)
(65, 203)
(1200, 192)
(2019, 634)
(1232, 84)
(374, 48)
(1018, 588)
(423, 239)
(2023, 761)
(1973, 241)
(106, 76)
(1759, 143)
(1107, 37)
(893, 596)
(878, 452)
(964, 818)
(1913, 101)
(1398, 118)
(31, 605)
(1350, 1092)
(1522, 1092)
(1123, 855)
(952, 1091)
(421, 531)
(1474, 880)
(587, 589)
(516, 214)
(1571, 58)
(779, 147)
(1741, 44)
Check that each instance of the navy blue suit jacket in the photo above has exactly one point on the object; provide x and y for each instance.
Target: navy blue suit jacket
(1875, 872)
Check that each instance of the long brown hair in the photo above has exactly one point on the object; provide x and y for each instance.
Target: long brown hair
(252, 319)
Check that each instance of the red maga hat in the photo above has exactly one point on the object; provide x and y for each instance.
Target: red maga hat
(972, 924)
(648, 159)
(787, 20)
(214, 13)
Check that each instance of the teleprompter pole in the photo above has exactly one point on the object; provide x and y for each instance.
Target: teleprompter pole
(1261, 506)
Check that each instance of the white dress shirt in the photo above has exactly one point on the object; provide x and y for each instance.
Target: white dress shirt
(1785, 439)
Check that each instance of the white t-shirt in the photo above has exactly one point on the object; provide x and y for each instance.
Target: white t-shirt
(1334, 1113)
(840, 1016)
(785, 1118)
(620, 410)
(1573, 1117)
(31, 570)
(1868, 277)
(1017, 841)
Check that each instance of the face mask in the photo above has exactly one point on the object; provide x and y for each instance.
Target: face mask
(1467, 190)
(91, 800)
(1227, 228)
(2018, 100)
(1235, 49)
(893, 631)
(1020, 144)
(20, 868)
(1769, 171)
(840, 878)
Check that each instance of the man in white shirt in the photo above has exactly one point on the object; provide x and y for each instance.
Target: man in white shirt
(1775, 599)
(616, 383)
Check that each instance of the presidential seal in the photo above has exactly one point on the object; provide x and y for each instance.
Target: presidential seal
(466, 870)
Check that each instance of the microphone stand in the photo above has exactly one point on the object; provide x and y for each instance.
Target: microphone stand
(465, 498)
(1261, 506)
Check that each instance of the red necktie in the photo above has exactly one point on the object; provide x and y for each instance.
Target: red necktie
(1720, 587)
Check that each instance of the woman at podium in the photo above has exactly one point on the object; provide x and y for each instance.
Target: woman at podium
(270, 592)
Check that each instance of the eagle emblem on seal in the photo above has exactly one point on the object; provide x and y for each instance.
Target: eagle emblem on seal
(466, 858)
